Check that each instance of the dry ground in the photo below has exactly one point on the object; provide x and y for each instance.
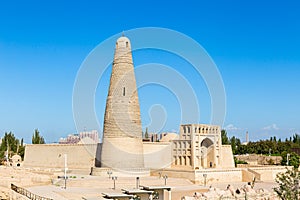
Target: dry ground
(45, 183)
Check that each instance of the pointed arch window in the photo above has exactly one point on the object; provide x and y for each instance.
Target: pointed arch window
(124, 92)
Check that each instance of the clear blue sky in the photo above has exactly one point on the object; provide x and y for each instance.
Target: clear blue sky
(255, 44)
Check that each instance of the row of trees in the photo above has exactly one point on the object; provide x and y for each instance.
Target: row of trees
(11, 145)
(266, 147)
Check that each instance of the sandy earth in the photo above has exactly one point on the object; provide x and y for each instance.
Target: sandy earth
(20, 177)
(88, 187)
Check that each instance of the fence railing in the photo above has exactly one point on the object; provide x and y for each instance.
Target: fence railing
(28, 194)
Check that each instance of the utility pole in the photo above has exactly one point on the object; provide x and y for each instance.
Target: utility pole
(7, 152)
(66, 168)
(137, 182)
(287, 159)
(165, 177)
(114, 178)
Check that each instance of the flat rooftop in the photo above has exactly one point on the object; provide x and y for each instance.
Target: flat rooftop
(137, 191)
(116, 195)
(156, 187)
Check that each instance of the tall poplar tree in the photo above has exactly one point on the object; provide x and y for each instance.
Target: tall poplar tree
(37, 138)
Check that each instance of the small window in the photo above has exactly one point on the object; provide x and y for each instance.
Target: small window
(123, 91)
(126, 44)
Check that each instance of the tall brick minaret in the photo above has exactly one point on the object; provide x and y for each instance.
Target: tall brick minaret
(122, 145)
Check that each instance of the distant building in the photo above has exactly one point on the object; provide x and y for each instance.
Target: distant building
(152, 137)
(155, 137)
(75, 138)
(247, 139)
(168, 137)
(91, 134)
(296, 150)
(70, 139)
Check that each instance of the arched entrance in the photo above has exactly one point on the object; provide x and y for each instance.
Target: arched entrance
(207, 150)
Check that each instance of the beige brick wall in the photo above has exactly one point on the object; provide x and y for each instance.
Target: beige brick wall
(226, 157)
(79, 156)
(157, 155)
(218, 175)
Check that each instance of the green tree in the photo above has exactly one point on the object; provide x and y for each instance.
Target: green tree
(224, 137)
(293, 159)
(296, 138)
(37, 138)
(21, 149)
(11, 145)
(233, 142)
(146, 133)
(236, 161)
(288, 185)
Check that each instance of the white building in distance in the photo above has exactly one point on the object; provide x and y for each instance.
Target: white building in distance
(75, 138)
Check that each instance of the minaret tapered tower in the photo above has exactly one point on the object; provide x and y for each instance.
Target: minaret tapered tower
(122, 145)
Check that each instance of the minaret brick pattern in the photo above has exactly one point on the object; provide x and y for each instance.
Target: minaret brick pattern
(122, 145)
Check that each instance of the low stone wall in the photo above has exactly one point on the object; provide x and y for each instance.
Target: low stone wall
(267, 173)
(104, 172)
(198, 177)
(218, 175)
(255, 159)
(175, 173)
(214, 175)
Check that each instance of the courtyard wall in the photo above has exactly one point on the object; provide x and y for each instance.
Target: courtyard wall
(79, 156)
